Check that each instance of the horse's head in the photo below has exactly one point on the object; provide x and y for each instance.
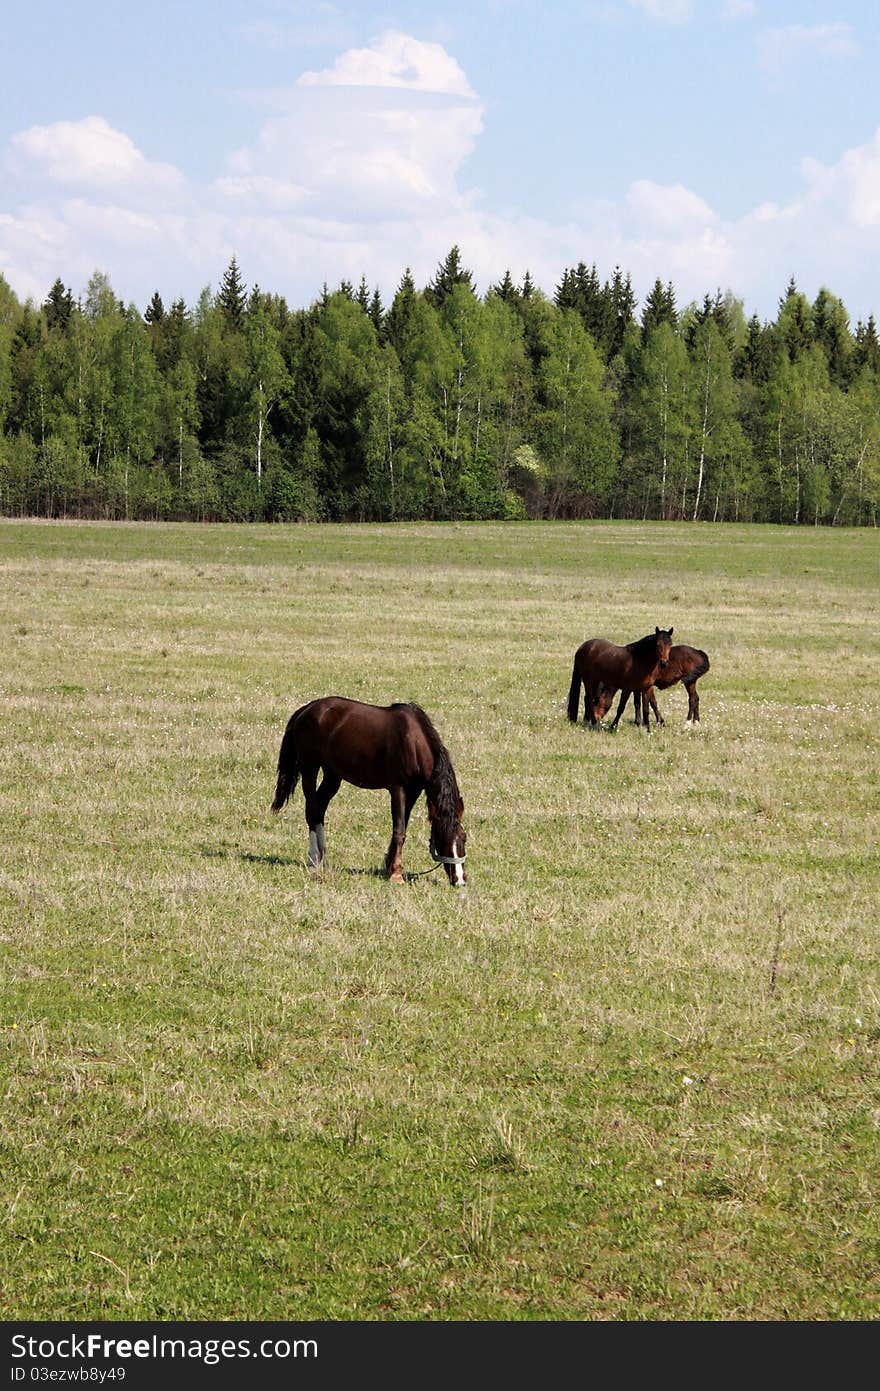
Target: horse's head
(448, 840)
(601, 701)
(664, 642)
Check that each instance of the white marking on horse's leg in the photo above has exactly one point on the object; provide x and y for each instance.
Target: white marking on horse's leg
(314, 855)
(322, 839)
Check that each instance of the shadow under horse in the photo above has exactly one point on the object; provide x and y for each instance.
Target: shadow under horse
(373, 746)
(604, 668)
(684, 664)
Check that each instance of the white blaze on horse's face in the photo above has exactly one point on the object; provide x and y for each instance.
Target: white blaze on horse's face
(458, 867)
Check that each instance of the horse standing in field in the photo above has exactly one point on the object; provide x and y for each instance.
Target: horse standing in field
(684, 664)
(373, 746)
(604, 668)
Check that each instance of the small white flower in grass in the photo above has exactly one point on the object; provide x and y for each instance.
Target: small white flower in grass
(687, 1081)
(658, 1183)
(858, 1023)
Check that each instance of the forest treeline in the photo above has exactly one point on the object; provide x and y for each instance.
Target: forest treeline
(444, 404)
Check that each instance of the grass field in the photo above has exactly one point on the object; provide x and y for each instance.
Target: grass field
(630, 1073)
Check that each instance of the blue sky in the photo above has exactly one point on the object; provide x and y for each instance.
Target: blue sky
(715, 143)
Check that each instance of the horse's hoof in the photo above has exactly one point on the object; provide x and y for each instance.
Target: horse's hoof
(396, 877)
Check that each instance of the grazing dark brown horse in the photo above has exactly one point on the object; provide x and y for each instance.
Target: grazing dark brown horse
(390, 746)
(684, 664)
(604, 668)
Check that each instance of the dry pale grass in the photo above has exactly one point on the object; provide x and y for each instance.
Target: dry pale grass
(631, 1072)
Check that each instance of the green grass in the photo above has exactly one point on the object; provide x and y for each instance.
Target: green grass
(631, 1073)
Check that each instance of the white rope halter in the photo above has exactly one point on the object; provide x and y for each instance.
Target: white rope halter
(445, 859)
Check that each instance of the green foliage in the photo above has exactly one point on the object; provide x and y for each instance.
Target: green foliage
(574, 433)
(423, 410)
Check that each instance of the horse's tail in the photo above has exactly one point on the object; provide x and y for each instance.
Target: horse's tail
(699, 670)
(574, 694)
(288, 766)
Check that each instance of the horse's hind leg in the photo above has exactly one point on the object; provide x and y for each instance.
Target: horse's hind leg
(624, 697)
(330, 785)
(693, 703)
(316, 806)
(592, 697)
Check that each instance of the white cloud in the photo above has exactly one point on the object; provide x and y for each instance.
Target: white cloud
(853, 183)
(89, 154)
(738, 9)
(396, 60)
(780, 50)
(263, 189)
(360, 171)
(669, 206)
(385, 130)
(34, 243)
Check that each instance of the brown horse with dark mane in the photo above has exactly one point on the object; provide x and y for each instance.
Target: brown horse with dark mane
(684, 664)
(604, 668)
(373, 746)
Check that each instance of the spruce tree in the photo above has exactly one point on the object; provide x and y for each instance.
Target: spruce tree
(659, 308)
(399, 316)
(830, 327)
(791, 290)
(376, 310)
(794, 322)
(58, 307)
(450, 273)
(755, 359)
(867, 347)
(155, 310)
(620, 303)
(170, 348)
(505, 289)
(565, 296)
(592, 304)
(232, 297)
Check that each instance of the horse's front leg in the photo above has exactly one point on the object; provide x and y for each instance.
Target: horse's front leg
(399, 815)
(648, 699)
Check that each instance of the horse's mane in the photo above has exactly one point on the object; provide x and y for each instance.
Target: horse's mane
(643, 647)
(442, 787)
